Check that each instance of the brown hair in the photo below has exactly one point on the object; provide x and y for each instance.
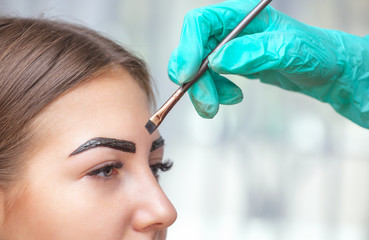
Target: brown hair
(39, 61)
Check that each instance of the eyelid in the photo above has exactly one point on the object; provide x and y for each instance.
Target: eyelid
(156, 160)
(103, 164)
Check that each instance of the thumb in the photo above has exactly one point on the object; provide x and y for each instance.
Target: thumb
(250, 54)
(204, 96)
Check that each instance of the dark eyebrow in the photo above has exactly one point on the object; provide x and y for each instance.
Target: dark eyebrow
(122, 145)
(157, 144)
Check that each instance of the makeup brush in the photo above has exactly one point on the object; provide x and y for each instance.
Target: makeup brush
(159, 116)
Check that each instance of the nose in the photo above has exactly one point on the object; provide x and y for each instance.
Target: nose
(153, 211)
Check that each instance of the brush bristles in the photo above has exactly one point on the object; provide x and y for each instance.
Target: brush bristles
(150, 127)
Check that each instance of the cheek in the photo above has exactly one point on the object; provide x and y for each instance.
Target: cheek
(72, 209)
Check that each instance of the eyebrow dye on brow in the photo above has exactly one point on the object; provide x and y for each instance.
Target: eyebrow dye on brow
(157, 144)
(121, 145)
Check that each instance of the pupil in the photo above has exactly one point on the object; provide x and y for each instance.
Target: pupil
(108, 170)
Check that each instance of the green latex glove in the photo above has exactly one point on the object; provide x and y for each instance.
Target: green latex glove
(329, 65)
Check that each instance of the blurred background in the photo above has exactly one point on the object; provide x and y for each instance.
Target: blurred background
(278, 166)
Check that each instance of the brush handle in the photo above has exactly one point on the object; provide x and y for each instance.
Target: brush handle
(239, 28)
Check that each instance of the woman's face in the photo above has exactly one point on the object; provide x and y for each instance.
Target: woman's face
(91, 174)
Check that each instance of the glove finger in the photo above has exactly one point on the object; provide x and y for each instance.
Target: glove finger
(250, 54)
(204, 96)
(172, 67)
(228, 92)
(203, 23)
(173, 64)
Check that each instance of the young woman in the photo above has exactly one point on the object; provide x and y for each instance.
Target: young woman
(76, 161)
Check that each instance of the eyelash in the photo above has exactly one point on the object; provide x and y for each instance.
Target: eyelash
(165, 166)
(108, 167)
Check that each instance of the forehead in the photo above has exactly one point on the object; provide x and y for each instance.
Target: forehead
(111, 104)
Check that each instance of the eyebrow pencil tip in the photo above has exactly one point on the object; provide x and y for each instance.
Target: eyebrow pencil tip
(150, 127)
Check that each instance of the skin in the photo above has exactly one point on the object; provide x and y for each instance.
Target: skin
(58, 199)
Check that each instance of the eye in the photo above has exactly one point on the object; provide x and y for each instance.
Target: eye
(165, 166)
(106, 171)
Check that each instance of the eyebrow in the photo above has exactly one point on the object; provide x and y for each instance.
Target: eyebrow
(157, 144)
(122, 145)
